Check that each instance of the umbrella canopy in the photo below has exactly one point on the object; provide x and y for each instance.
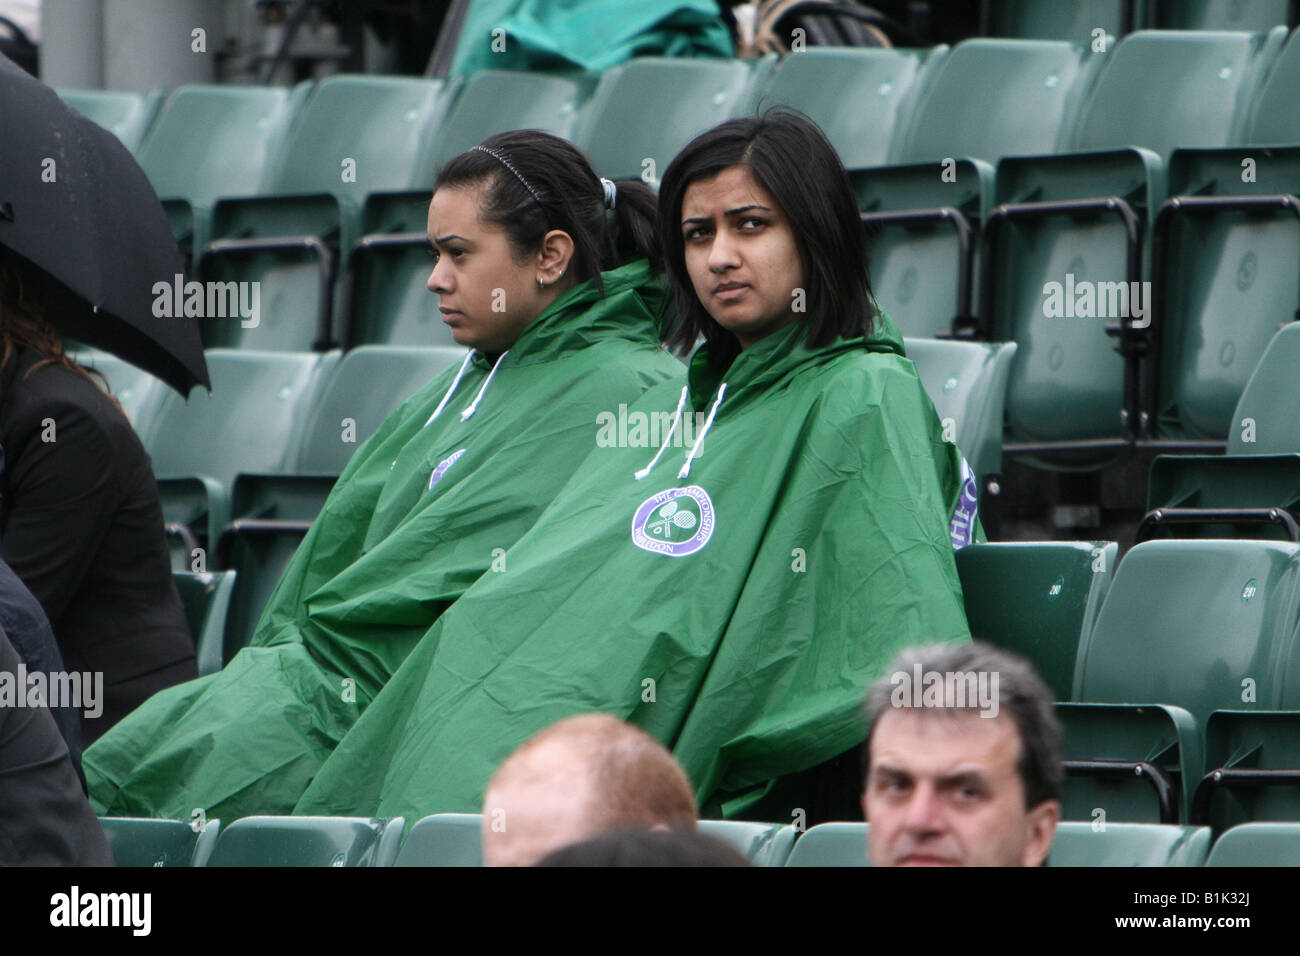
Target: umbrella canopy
(76, 205)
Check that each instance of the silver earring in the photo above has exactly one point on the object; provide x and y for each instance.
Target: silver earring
(540, 283)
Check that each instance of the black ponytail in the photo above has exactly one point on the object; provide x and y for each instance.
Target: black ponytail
(537, 182)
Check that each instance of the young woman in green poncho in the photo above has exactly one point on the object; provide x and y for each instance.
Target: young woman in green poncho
(545, 272)
(733, 595)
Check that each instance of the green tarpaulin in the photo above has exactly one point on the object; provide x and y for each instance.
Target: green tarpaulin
(586, 34)
(425, 507)
(735, 604)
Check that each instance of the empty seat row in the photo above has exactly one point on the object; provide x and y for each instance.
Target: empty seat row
(975, 104)
(453, 839)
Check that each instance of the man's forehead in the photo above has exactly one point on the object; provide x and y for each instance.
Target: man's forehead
(940, 742)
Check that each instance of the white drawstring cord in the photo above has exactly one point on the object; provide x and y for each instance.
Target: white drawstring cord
(454, 382)
(681, 403)
(473, 406)
(686, 468)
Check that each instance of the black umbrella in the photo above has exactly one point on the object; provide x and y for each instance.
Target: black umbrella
(75, 204)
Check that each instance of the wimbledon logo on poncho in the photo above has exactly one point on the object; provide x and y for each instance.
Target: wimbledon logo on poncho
(676, 522)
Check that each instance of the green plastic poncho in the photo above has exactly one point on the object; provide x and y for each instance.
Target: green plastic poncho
(588, 34)
(734, 599)
(424, 508)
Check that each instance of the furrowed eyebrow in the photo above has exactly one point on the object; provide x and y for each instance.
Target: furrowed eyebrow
(448, 238)
(962, 779)
(730, 212)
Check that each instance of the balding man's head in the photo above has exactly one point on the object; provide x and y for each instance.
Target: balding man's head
(576, 779)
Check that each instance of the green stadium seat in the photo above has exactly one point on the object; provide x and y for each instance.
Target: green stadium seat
(1261, 469)
(1037, 599)
(137, 841)
(443, 839)
(355, 135)
(1187, 628)
(644, 111)
(244, 425)
(1080, 217)
(831, 844)
(272, 512)
(986, 99)
(967, 381)
(1129, 844)
(206, 600)
(1257, 844)
(1075, 844)
(126, 115)
(1253, 767)
(303, 841)
(1075, 21)
(859, 97)
(495, 101)
(211, 141)
(1223, 257)
(763, 844)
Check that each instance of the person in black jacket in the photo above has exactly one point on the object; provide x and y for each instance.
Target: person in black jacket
(80, 518)
(45, 818)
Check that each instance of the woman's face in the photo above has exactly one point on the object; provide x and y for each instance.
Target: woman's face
(484, 295)
(740, 254)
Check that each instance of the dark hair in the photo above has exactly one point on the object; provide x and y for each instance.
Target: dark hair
(646, 848)
(1020, 691)
(794, 161)
(546, 183)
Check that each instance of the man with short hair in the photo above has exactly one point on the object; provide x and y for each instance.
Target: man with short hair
(576, 779)
(964, 760)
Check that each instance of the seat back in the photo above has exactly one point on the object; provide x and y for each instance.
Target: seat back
(358, 134)
(1195, 624)
(366, 386)
(763, 844)
(246, 423)
(205, 598)
(1037, 598)
(859, 97)
(1274, 120)
(136, 841)
(128, 116)
(1257, 844)
(494, 101)
(831, 844)
(211, 141)
(649, 108)
(1265, 421)
(443, 839)
(991, 98)
(1129, 844)
(967, 381)
(1162, 89)
(298, 841)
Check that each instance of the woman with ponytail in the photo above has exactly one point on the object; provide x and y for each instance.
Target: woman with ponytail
(548, 275)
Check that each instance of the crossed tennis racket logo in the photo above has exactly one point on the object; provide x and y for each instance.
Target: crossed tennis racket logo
(670, 516)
